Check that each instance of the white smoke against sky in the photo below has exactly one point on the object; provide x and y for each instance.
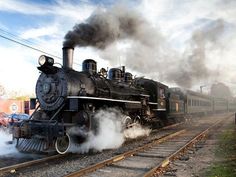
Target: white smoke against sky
(147, 49)
(176, 21)
(110, 132)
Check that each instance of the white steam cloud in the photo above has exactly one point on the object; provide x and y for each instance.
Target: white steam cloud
(110, 132)
(192, 66)
(136, 131)
(146, 50)
(6, 148)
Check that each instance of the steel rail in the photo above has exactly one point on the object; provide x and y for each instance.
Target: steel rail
(171, 126)
(123, 156)
(160, 167)
(13, 168)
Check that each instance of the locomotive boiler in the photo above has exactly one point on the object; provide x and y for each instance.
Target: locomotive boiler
(66, 98)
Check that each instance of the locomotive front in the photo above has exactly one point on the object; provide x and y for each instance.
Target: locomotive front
(67, 98)
(48, 122)
(54, 84)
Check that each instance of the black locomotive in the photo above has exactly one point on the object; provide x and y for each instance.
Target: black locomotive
(67, 98)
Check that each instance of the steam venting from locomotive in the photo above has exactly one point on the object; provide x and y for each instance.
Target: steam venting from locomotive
(193, 62)
(4, 147)
(148, 51)
(104, 27)
(110, 133)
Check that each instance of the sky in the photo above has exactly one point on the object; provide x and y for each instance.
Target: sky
(195, 40)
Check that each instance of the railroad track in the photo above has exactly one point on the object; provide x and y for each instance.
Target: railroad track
(13, 169)
(51, 161)
(151, 159)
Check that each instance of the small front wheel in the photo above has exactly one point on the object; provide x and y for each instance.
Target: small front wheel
(62, 144)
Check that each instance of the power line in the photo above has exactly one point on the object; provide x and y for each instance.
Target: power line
(25, 45)
(17, 37)
(28, 46)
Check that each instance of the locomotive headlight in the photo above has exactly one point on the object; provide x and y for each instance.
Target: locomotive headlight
(42, 60)
(45, 60)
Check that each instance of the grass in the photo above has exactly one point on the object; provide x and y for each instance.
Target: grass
(225, 153)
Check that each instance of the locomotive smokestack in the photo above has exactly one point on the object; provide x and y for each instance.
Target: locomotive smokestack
(68, 57)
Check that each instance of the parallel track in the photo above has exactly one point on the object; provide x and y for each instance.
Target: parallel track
(156, 171)
(150, 159)
(123, 156)
(16, 167)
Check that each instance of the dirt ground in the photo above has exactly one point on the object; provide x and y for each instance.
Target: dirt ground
(201, 159)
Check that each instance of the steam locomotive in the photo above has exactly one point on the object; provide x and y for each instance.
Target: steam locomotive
(67, 98)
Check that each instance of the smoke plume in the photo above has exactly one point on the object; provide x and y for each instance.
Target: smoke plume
(105, 29)
(146, 50)
(109, 133)
(193, 67)
(220, 90)
(106, 26)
